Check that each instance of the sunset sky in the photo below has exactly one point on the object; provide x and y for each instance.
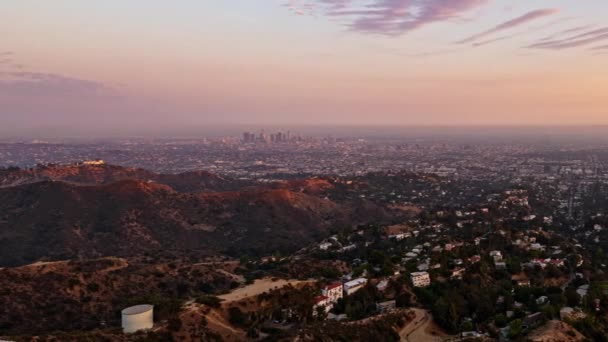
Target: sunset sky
(157, 63)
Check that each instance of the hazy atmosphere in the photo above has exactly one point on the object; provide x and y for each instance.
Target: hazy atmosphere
(146, 66)
(304, 170)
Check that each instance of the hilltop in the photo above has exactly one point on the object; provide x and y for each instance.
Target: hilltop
(101, 173)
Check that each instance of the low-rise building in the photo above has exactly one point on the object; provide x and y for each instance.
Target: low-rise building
(386, 306)
(496, 255)
(333, 291)
(348, 248)
(533, 320)
(500, 265)
(354, 286)
(321, 303)
(420, 279)
(93, 162)
(325, 246)
(475, 259)
(457, 273)
(382, 285)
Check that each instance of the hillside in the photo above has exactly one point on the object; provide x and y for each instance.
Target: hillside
(57, 220)
(77, 295)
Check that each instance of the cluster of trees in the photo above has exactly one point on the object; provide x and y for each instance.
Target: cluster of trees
(359, 305)
(288, 304)
(384, 329)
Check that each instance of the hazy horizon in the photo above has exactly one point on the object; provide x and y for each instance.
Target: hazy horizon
(579, 132)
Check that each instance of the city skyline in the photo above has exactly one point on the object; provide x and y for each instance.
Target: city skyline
(141, 67)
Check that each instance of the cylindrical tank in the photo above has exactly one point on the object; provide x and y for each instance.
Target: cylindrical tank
(139, 317)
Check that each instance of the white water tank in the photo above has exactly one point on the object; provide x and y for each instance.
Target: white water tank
(139, 317)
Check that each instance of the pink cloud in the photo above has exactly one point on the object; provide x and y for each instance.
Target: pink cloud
(395, 17)
(26, 83)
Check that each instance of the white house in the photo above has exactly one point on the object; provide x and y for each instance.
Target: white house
(333, 291)
(325, 246)
(382, 285)
(497, 255)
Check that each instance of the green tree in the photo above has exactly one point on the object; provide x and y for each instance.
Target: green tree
(572, 298)
(515, 328)
(500, 320)
(466, 326)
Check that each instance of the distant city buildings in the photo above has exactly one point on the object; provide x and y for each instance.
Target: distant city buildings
(274, 138)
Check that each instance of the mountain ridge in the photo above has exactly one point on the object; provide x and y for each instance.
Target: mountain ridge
(91, 174)
(55, 220)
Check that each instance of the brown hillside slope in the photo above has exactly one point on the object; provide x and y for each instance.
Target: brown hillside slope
(57, 221)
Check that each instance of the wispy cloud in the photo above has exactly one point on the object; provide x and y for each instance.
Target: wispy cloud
(567, 32)
(523, 19)
(589, 34)
(601, 47)
(300, 7)
(14, 81)
(582, 39)
(388, 17)
(24, 83)
(493, 40)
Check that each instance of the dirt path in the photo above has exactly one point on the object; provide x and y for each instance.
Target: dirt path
(191, 316)
(236, 277)
(258, 287)
(419, 330)
(219, 262)
(122, 263)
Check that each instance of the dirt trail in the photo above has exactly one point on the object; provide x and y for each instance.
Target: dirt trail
(191, 317)
(236, 277)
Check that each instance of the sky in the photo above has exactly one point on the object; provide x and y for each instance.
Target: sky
(108, 65)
